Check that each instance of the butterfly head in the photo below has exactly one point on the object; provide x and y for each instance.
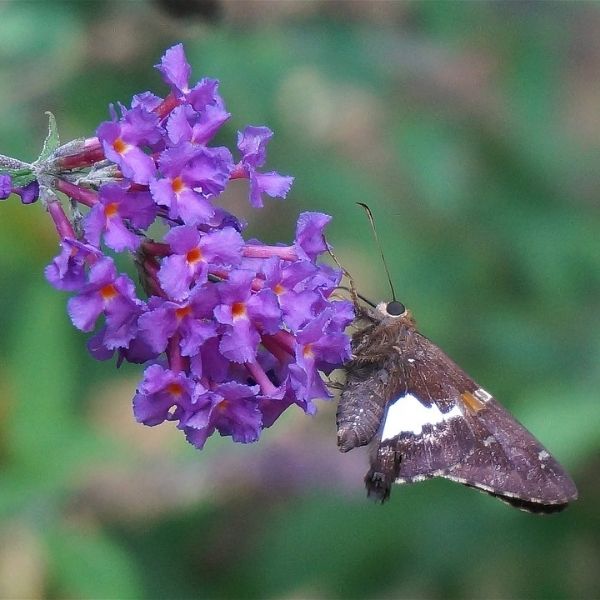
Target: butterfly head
(392, 312)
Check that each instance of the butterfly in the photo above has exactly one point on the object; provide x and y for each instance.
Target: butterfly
(425, 417)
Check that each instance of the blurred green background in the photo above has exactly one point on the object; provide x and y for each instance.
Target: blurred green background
(473, 131)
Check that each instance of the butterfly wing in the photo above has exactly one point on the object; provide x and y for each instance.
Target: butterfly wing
(441, 423)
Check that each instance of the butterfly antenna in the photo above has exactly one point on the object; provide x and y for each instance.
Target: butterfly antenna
(352, 289)
(372, 221)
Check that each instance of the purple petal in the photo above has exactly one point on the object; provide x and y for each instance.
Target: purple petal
(175, 276)
(157, 326)
(182, 239)
(223, 247)
(193, 208)
(239, 345)
(252, 143)
(118, 237)
(273, 184)
(175, 69)
(84, 310)
(263, 309)
(310, 237)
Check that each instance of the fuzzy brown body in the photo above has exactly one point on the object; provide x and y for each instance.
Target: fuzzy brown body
(425, 417)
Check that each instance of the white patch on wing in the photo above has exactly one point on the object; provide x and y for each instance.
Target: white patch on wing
(408, 415)
(482, 395)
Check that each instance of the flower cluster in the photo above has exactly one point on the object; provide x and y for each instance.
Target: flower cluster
(232, 331)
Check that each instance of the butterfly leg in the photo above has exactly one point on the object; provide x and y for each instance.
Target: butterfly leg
(385, 464)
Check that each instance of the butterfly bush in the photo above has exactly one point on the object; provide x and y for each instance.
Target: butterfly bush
(231, 331)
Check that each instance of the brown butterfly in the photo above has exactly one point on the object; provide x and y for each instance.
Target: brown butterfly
(425, 417)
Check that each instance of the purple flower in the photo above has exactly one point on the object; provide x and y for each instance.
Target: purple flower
(310, 237)
(252, 143)
(190, 176)
(192, 255)
(234, 331)
(112, 294)
(67, 270)
(5, 186)
(230, 409)
(197, 126)
(317, 349)
(107, 217)
(160, 391)
(28, 193)
(291, 283)
(123, 143)
(246, 316)
(175, 69)
(190, 320)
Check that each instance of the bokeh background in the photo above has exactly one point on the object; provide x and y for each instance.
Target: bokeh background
(473, 131)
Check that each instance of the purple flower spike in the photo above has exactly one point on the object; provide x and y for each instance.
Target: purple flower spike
(232, 331)
(252, 143)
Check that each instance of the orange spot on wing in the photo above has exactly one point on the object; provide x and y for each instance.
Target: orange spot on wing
(473, 404)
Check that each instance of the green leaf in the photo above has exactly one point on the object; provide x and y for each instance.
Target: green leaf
(52, 140)
(20, 177)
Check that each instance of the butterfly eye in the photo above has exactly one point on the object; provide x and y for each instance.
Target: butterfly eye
(395, 308)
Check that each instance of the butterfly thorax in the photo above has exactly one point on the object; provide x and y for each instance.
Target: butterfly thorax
(373, 374)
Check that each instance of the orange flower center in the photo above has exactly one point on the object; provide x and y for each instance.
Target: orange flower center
(184, 311)
(110, 210)
(108, 292)
(279, 289)
(194, 255)
(308, 351)
(175, 389)
(177, 184)
(238, 310)
(119, 146)
(223, 405)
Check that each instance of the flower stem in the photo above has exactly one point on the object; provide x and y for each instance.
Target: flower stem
(260, 251)
(62, 224)
(259, 375)
(84, 196)
(92, 154)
